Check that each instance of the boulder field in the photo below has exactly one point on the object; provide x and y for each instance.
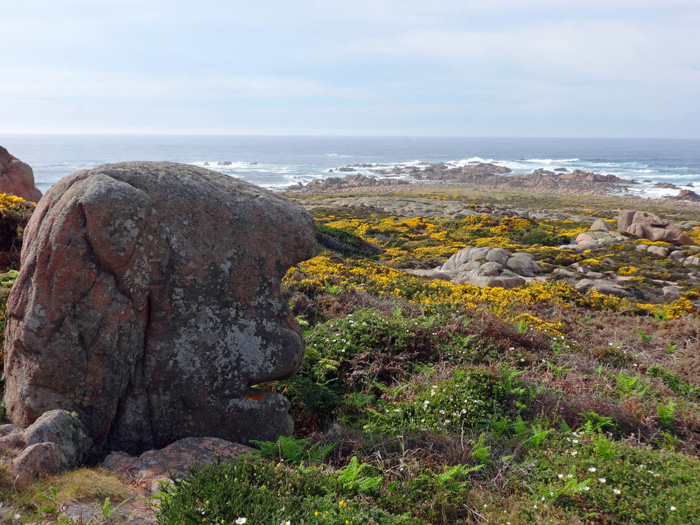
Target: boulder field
(148, 305)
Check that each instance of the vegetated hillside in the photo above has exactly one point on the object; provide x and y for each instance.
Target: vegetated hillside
(423, 401)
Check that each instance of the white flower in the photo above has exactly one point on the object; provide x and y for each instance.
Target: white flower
(18, 516)
(673, 508)
(573, 452)
(535, 506)
(560, 476)
(586, 488)
(569, 476)
(616, 491)
(285, 522)
(240, 521)
(602, 480)
(591, 469)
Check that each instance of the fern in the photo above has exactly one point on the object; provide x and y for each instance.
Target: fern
(293, 450)
(538, 435)
(453, 473)
(359, 477)
(481, 451)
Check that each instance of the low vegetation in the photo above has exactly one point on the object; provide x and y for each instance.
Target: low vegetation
(423, 401)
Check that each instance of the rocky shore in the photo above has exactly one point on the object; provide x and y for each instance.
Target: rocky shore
(479, 175)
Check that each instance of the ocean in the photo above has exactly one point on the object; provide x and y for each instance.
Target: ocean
(277, 162)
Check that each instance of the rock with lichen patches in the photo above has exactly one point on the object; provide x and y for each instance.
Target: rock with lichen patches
(149, 304)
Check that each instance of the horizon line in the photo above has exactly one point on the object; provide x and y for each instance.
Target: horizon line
(313, 135)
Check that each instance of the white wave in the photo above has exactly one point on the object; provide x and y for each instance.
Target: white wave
(338, 155)
(474, 160)
(552, 161)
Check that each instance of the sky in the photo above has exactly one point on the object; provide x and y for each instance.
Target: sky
(506, 68)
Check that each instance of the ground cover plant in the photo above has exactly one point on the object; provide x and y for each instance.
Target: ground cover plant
(538, 404)
(423, 401)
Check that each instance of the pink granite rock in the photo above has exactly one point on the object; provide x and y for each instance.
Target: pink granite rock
(17, 178)
(42, 458)
(149, 304)
(652, 227)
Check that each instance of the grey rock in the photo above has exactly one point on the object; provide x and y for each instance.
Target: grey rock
(658, 250)
(601, 225)
(498, 255)
(64, 429)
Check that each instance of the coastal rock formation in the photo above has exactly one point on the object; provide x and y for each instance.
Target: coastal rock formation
(687, 195)
(17, 178)
(335, 184)
(652, 227)
(485, 267)
(149, 303)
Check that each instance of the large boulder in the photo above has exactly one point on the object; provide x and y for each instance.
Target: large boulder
(652, 227)
(149, 304)
(17, 178)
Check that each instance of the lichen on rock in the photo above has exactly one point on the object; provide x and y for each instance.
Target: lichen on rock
(149, 304)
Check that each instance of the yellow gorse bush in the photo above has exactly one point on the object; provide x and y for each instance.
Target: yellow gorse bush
(9, 200)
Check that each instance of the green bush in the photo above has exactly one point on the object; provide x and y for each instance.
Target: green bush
(612, 482)
(257, 492)
(468, 399)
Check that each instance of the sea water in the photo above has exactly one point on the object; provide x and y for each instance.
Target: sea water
(278, 162)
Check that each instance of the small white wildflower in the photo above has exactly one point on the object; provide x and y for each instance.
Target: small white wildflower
(575, 440)
(569, 476)
(616, 491)
(560, 476)
(18, 516)
(673, 508)
(591, 469)
(586, 488)
(535, 505)
(240, 521)
(602, 480)
(573, 452)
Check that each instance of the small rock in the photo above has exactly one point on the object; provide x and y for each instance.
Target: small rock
(671, 292)
(601, 225)
(174, 460)
(658, 250)
(64, 429)
(691, 261)
(44, 458)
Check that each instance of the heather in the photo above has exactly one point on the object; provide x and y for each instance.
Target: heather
(424, 401)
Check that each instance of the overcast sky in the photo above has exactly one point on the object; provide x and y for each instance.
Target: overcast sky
(546, 68)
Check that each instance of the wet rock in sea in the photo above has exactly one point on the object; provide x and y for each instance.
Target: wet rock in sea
(687, 195)
(149, 303)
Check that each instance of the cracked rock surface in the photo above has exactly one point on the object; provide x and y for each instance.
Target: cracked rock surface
(149, 303)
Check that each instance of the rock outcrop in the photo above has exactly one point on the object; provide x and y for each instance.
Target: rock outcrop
(335, 184)
(149, 304)
(652, 227)
(485, 267)
(687, 195)
(17, 178)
